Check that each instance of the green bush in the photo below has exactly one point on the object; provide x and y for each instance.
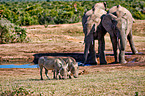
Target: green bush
(59, 12)
(10, 33)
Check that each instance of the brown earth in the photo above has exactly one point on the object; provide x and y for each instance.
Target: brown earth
(65, 40)
(82, 69)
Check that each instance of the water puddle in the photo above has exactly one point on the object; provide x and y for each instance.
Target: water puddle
(110, 58)
(31, 65)
(19, 66)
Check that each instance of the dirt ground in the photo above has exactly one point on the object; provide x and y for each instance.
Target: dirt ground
(65, 40)
(68, 40)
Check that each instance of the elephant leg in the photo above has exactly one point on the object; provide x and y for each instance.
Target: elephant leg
(101, 50)
(115, 45)
(87, 46)
(130, 39)
(92, 53)
(123, 40)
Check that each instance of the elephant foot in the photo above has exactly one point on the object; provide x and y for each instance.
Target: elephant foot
(91, 62)
(123, 62)
(103, 63)
(95, 63)
(136, 52)
(116, 62)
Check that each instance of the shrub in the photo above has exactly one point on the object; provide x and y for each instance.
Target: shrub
(10, 33)
(31, 13)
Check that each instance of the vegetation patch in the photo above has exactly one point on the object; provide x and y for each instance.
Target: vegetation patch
(60, 12)
(10, 33)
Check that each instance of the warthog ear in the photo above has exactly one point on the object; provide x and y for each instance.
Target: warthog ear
(60, 64)
(105, 5)
(69, 73)
(76, 64)
(67, 65)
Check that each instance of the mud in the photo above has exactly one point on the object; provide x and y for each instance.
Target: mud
(65, 40)
(131, 58)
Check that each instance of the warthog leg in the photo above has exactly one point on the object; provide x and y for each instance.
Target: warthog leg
(69, 74)
(46, 71)
(53, 74)
(41, 67)
(57, 74)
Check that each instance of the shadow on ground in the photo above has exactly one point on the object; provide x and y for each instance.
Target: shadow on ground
(79, 56)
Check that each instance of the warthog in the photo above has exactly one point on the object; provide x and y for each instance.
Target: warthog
(72, 66)
(58, 66)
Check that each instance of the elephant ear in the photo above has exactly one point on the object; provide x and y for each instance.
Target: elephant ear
(89, 36)
(110, 23)
(107, 23)
(90, 25)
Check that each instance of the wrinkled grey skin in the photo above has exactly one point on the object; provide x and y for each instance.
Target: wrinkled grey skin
(72, 66)
(58, 66)
(90, 21)
(118, 23)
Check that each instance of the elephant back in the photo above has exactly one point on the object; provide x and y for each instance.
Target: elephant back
(122, 9)
(98, 10)
(129, 18)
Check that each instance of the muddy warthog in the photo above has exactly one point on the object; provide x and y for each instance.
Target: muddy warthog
(72, 66)
(71, 62)
(59, 67)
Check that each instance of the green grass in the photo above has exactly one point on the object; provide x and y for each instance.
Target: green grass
(99, 83)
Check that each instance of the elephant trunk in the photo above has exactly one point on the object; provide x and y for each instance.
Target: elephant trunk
(88, 41)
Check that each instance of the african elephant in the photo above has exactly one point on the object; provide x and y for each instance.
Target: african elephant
(91, 19)
(118, 23)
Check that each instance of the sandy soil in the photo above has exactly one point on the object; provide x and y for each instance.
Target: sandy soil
(64, 40)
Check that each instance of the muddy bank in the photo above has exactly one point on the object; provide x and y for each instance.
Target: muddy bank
(77, 55)
(65, 40)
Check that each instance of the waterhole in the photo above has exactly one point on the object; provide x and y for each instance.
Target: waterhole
(109, 57)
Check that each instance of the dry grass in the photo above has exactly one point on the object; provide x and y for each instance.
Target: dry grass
(139, 28)
(97, 80)
(101, 80)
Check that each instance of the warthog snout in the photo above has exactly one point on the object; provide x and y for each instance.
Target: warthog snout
(64, 77)
(75, 75)
(75, 70)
